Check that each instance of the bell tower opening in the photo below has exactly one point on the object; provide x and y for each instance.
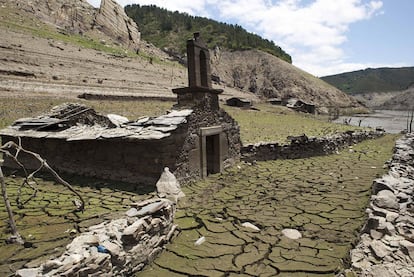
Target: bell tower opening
(204, 74)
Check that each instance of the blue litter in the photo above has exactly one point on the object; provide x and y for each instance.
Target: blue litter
(102, 249)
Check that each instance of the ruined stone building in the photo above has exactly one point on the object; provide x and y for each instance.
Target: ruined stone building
(195, 139)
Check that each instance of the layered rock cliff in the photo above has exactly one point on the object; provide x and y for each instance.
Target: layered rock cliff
(113, 21)
(74, 15)
(78, 16)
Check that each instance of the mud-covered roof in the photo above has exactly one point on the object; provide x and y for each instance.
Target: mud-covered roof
(78, 122)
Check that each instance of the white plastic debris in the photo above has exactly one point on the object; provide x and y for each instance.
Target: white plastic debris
(200, 241)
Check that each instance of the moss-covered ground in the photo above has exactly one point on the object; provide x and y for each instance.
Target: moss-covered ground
(276, 123)
(49, 221)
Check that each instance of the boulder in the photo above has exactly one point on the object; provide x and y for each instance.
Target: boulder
(386, 199)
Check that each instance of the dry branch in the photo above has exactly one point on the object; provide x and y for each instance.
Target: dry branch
(30, 182)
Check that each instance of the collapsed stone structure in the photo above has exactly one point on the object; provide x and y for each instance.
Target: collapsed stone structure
(193, 140)
(386, 247)
(120, 247)
(305, 147)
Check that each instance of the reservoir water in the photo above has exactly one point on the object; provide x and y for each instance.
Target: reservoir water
(390, 121)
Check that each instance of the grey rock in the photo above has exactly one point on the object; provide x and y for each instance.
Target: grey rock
(403, 197)
(380, 270)
(49, 265)
(117, 120)
(385, 183)
(153, 207)
(408, 247)
(135, 228)
(392, 216)
(28, 272)
(375, 234)
(291, 234)
(250, 226)
(379, 248)
(132, 212)
(386, 199)
(113, 248)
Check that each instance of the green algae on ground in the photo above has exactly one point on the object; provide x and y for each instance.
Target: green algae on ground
(276, 123)
(48, 220)
(322, 197)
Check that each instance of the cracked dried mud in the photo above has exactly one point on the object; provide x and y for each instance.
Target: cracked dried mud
(324, 198)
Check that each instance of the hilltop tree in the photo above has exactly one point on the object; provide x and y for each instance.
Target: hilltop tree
(169, 29)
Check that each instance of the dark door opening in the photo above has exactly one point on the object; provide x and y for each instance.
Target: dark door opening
(213, 154)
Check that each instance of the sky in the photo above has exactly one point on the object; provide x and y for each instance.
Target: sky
(324, 37)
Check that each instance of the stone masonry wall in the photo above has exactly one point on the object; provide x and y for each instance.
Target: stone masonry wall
(120, 247)
(133, 161)
(188, 161)
(386, 247)
(303, 147)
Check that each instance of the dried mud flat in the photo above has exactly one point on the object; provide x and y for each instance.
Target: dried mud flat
(324, 198)
(49, 222)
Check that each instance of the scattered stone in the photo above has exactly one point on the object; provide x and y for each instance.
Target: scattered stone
(291, 233)
(250, 226)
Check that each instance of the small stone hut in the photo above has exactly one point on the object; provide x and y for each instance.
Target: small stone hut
(195, 139)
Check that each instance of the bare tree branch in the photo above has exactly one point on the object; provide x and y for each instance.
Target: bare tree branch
(16, 237)
(28, 181)
(43, 165)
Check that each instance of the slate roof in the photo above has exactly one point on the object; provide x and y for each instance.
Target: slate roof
(77, 122)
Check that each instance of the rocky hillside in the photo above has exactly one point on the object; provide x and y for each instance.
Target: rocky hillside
(79, 17)
(268, 76)
(64, 47)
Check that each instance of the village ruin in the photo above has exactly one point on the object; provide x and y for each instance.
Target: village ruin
(195, 139)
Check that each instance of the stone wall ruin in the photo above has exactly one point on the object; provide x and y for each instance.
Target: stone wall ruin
(305, 147)
(386, 246)
(120, 247)
(195, 139)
